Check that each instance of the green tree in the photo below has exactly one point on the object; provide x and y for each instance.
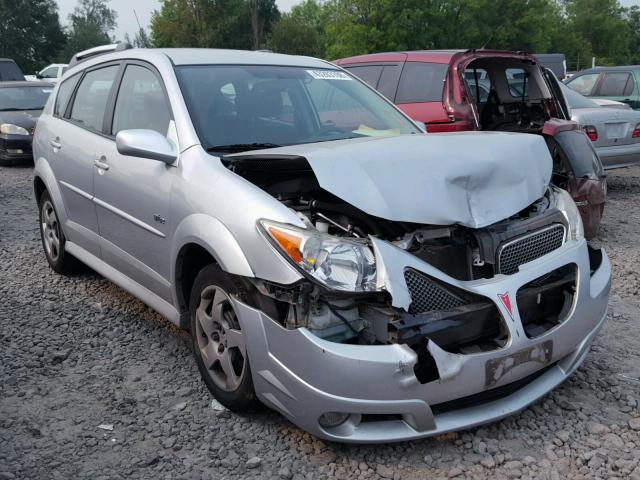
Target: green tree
(30, 32)
(91, 24)
(603, 29)
(239, 24)
(301, 31)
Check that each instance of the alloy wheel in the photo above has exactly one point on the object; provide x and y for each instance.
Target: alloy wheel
(50, 230)
(220, 340)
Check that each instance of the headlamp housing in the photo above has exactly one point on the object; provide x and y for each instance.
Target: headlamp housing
(341, 264)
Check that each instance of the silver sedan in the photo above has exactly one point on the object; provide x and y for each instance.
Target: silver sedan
(615, 132)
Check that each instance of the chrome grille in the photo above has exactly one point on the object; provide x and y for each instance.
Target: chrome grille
(427, 295)
(526, 248)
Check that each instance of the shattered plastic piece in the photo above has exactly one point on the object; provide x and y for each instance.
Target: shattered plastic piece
(217, 406)
(106, 426)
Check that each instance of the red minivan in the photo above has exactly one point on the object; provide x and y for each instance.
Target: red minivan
(491, 90)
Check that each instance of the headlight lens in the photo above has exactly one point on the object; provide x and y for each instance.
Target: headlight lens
(11, 129)
(338, 263)
(567, 206)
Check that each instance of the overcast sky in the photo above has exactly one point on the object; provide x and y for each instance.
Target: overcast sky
(144, 9)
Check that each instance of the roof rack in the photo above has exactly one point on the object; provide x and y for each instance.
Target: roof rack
(95, 51)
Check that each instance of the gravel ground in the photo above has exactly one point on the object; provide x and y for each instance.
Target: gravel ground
(93, 384)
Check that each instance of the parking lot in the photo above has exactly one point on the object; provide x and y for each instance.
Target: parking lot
(79, 356)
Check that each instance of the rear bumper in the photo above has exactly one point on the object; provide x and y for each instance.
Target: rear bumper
(303, 376)
(15, 149)
(619, 156)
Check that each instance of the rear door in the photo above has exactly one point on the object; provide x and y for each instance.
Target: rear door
(74, 136)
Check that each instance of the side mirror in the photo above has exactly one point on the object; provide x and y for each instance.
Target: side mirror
(146, 144)
(38, 76)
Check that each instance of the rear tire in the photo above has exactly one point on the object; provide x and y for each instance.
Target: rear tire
(53, 239)
(218, 343)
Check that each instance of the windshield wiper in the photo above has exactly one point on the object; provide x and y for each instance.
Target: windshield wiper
(241, 147)
(14, 109)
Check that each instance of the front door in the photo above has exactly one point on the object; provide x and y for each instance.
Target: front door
(132, 194)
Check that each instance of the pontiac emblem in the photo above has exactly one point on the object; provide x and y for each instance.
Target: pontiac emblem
(506, 301)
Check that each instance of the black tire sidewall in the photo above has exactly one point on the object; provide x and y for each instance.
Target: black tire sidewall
(65, 263)
(243, 398)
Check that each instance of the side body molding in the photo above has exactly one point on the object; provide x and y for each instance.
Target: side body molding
(213, 236)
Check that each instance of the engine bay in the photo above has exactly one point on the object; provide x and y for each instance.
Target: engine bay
(460, 252)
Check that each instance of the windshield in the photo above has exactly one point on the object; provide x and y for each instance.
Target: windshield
(24, 98)
(575, 100)
(240, 107)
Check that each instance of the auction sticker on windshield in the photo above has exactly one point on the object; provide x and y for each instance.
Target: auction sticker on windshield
(328, 75)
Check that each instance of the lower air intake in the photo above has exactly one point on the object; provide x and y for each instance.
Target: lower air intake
(427, 295)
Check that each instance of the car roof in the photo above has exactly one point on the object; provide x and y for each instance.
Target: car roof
(607, 69)
(7, 60)
(430, 56)
(24, 83)
(202, 56)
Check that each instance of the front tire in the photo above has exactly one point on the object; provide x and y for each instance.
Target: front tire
(53, 239)
(218, 342)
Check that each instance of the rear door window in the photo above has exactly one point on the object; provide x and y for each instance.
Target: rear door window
(369, 74)
(388, 83)
(584, 84)
(92, 96)
(616, 84)
(421, 82)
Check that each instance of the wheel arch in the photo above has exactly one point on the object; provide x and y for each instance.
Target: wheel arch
(199, 241)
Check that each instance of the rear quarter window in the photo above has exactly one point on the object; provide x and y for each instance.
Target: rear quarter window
(64, 94)
(421, 82)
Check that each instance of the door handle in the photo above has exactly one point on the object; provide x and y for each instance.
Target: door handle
(101, 163)
(55, 143)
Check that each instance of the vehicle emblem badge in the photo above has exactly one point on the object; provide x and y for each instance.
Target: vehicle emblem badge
(506, 301)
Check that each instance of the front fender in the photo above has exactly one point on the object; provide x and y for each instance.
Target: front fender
(213, 236)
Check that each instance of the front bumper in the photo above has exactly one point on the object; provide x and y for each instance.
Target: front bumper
(619, 155)
(303, 376)
(15, 149)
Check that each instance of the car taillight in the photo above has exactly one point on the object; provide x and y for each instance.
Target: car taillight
(636, 131)
(591, 132)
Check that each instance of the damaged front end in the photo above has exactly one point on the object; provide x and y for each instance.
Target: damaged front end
(402, 329)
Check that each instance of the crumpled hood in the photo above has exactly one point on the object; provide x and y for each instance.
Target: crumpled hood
(473, 179)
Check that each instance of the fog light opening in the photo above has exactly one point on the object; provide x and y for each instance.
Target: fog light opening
(15, 150)
(332, 419)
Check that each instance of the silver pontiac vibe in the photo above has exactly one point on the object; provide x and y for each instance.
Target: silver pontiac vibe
(370, 282)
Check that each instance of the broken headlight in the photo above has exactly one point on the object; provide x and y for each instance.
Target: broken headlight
(567, 206)
(338, 263)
